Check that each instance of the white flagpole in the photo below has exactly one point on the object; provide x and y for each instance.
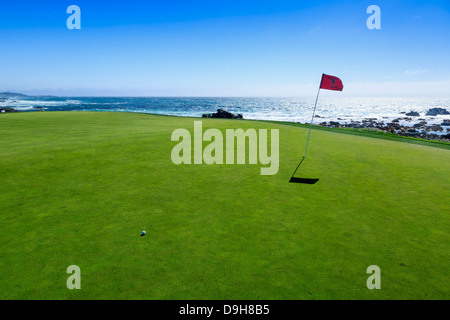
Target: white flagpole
(312, 119)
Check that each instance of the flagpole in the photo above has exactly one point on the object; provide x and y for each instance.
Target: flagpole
(331, 83)
(312, 119)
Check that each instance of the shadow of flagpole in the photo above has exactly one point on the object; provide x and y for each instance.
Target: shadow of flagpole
(301, 180)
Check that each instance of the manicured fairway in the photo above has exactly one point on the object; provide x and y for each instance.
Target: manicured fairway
(77, 188)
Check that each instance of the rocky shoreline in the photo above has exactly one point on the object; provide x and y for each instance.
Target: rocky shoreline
(409, 126)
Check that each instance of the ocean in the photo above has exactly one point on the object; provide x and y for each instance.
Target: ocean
(337, 109)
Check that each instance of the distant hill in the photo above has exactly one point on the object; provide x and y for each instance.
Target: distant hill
(12, 95)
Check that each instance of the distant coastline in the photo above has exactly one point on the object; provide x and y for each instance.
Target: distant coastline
(426, 118)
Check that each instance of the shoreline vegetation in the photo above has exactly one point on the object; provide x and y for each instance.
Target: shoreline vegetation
(369, 127)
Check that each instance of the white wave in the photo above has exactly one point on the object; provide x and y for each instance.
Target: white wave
(38, 103)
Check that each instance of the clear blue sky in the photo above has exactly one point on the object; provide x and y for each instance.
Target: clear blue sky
(224, 48)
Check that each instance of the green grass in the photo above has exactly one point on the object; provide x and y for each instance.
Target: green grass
(77, 188)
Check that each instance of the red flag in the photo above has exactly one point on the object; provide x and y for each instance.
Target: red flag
(331, 83)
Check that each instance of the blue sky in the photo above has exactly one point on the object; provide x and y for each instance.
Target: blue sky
(224, 48)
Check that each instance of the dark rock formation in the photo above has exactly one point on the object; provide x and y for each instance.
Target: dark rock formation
(222, 114)
(412, 114)
(436, 111)
(435, 128)
(6, 109)
(334, 124)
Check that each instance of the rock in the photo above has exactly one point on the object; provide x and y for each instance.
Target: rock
(411, 132)
(334, 124)
(435, 128)
(412, 114)
(445, 123)
(438, 128)
(394, 125)
(222, 114)
(6, 109)
(436, 111)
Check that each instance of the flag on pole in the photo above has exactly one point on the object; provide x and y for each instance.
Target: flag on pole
(331, 83)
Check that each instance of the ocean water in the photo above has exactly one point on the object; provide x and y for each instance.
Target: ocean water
(280, 109)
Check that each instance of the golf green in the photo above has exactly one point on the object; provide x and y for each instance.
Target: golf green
(78, 188)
